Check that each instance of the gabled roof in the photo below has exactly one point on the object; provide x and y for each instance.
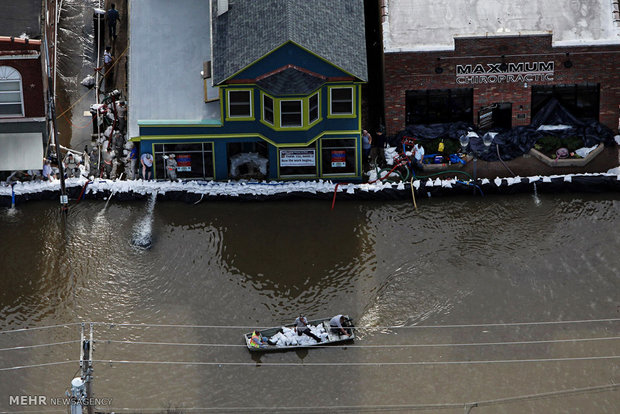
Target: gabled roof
(290, 81)
(250, 29)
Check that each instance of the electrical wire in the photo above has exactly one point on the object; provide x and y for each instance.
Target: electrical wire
(478, 325)
(46, 364)
(154, 325)
(389, 346)
(39, 345)
(395, 407)
(319, 364)
(357, 364)
(366, 407)
(36, 328)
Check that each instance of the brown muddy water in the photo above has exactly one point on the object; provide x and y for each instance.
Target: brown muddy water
(454, 273)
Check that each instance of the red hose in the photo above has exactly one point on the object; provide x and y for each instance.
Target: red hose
(335, 191)
(82, 193)
(385, 176)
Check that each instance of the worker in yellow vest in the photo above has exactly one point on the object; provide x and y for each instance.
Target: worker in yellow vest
(257, 340)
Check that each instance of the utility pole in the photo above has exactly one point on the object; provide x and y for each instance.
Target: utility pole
(52, 116)
(82, 387)
(64, 200)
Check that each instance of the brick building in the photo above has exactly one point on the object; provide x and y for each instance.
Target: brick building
(512, 62)
(23, 85)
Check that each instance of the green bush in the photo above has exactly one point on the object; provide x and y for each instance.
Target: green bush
(548, 145)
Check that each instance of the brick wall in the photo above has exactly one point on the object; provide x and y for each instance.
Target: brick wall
(416, 71)
(31, 71)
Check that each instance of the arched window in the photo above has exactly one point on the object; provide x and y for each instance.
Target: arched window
(11, 98)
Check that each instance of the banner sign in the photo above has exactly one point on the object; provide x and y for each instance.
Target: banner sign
(339, 158)
(509, 73)
(184, 162)
(297, 158)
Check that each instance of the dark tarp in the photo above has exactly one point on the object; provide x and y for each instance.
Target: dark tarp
(517, 141)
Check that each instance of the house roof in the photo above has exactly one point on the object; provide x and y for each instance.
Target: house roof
(165, 63)
(250, 29)
(422, 25)
(290, 81)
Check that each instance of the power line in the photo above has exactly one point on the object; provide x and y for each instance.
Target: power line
(153, 325)
(47, 364)
(39, 345)
(36, 328)
(368, 407)
(309, 364)
(611, 338)
(358, 364)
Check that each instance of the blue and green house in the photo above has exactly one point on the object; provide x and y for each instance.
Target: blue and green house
(290, 108)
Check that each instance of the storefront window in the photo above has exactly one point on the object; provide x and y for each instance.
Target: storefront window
(194, 160)
(298, 162)
(247, 160)
(338, 156)
(582, 101)
(435, 106)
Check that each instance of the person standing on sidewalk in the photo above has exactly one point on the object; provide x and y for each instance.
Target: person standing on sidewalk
(112, 16)
(377, 151)
(366, 145)
(171, 167)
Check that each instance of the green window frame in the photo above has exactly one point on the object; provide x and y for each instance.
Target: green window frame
(239, 105)
(291, 113)
(314, 109)
(268, 110)
(341, 101)
(339, 157)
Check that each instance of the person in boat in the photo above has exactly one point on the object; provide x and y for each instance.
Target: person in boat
(257, 340)
(336, 325)
(301, 326)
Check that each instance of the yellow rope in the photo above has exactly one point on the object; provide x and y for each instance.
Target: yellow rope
(413, 194)
(82, 97)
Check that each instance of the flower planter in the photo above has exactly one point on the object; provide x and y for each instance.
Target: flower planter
(567, 162)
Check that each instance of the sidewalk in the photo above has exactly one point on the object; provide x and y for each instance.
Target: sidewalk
(119, 46)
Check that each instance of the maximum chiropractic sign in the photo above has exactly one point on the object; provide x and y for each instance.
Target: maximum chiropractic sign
(513, 73)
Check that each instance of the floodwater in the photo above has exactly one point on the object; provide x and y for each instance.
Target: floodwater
(456, 272)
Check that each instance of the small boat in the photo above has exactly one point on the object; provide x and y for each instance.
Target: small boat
(319, 326)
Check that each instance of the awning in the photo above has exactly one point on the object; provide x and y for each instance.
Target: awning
(21, 151)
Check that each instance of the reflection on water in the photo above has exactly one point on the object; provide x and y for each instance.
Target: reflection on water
(453, 261)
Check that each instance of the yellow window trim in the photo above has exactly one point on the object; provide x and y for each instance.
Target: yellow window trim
(239, 118)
